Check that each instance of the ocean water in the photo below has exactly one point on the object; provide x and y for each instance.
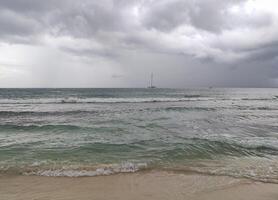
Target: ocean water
(89, 132)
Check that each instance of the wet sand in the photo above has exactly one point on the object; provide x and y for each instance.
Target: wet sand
(136, 186)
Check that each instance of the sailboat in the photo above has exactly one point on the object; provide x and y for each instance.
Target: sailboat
(151, 82)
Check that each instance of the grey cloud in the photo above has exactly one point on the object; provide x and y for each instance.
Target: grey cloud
(265, 53)
(27, 5)
(166, 15)
(201, 36)
(209, 15)
(90, 52)
(15, 27)
(85, 21)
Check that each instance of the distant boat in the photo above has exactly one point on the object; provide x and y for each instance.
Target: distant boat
(151, 82)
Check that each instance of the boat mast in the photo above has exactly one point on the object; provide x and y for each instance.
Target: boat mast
(151, 79)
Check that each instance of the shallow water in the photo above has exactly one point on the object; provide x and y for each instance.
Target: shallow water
(88, 132)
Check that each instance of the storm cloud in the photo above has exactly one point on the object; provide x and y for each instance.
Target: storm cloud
(118, 43)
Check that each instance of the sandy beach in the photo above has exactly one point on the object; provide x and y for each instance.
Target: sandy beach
(143, 185)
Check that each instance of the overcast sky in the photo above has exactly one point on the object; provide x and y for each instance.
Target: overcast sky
(118, 43)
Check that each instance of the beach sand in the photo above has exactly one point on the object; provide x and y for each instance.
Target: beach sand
(136, 186)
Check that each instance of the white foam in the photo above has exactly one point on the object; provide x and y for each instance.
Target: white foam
(99, 100)
(102, 171)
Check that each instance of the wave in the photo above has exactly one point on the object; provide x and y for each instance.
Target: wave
(259, 99)
(8, 127)
(127, 167)
(241, 147)
(182, 108)
(41, 113)
(78, 112)
(122, 100)
(254, 168)
(190, 149)
(100, 100)
(192, 96)
(202, 146)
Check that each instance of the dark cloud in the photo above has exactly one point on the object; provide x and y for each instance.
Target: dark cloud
(209, 15)
(15, 27)
(27, 6)
(166, 15)
(217, 42)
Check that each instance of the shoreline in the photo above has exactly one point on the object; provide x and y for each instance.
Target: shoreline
(141, 185)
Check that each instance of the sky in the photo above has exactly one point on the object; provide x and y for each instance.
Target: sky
(119, 43)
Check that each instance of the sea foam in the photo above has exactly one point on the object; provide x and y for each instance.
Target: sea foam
(127, 167)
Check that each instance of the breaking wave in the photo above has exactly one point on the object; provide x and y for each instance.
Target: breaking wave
(100, 100)
(126, 167)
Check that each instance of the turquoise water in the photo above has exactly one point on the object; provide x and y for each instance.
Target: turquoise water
(88, 132)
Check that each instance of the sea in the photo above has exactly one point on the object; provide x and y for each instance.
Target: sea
(96, 132)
